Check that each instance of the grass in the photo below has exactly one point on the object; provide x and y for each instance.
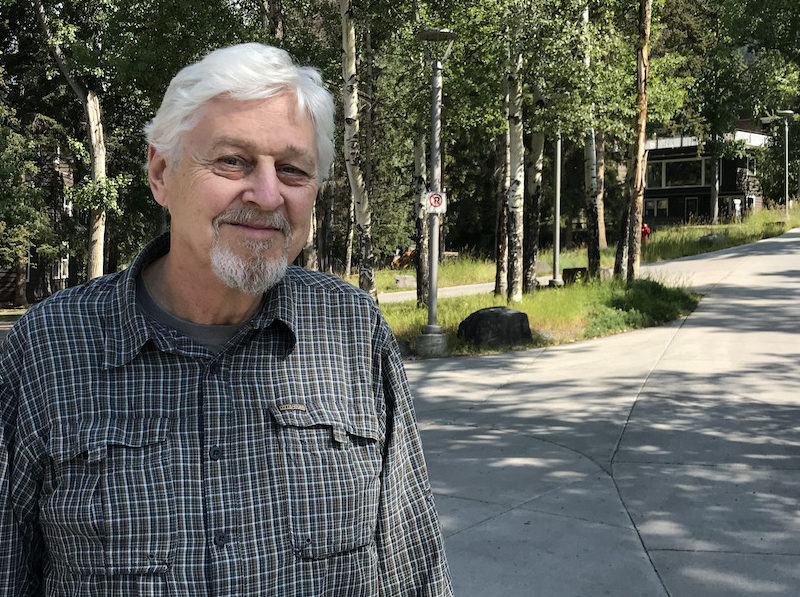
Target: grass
(11, 315)
(589, 310)
(682, 241)
(454, 272)
(665, 243)
(556, 316)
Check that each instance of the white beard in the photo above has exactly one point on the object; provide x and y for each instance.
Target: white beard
(255, 274)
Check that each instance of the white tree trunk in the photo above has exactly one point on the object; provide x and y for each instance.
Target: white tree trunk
(421, 217)
(590, 184)
(600, 201)
(533, 198)
(310, 254)
(501, 226)
(97, 148)
(352, 152)
(97, 216)
(715, 192)
(640, 167)
(348, 250)
(516, 187)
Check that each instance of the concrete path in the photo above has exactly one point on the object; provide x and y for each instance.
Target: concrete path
(447, 291)
(661, 462)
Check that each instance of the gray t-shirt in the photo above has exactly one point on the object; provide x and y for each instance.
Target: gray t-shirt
(212, 337)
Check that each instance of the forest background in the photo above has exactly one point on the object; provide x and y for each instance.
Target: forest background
(79, 79)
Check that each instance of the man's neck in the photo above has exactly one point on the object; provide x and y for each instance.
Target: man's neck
(198, 297)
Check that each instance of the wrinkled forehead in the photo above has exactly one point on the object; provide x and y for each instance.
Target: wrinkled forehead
(226, 117)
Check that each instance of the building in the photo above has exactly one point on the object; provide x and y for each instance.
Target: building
(680, 178)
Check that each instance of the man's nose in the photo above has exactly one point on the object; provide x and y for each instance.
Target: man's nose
(264, 188)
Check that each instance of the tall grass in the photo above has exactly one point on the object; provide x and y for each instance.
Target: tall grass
(685, 240)
(665, 243)
(453, 272)
(555, 315)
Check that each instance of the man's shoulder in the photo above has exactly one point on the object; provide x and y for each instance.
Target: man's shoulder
(76, 305)
(328, 285)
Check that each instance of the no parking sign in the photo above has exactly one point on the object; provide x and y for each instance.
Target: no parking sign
(436, 203)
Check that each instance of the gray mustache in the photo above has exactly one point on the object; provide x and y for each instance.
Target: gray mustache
(250, 216)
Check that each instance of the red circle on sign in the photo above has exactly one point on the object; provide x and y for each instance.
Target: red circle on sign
(436, 200)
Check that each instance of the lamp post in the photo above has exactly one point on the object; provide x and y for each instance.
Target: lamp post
(786, 115)
(432, 341)
(557, 281)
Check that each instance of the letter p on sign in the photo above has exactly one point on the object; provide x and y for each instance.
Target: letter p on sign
(436, 203)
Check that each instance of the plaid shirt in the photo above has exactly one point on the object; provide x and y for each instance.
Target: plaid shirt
(134, 462)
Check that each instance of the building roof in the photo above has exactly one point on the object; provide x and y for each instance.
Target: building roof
(750, 139)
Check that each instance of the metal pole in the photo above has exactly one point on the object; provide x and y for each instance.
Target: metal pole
(786, 167)
(436, 187)
(557, 281)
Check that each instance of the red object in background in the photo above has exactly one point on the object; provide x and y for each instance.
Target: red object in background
(645, 233)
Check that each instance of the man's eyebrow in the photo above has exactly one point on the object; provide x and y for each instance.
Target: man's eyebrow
(232, 142)
(290, 150)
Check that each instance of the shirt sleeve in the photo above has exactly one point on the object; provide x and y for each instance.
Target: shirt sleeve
(20, 542)
(408, 536)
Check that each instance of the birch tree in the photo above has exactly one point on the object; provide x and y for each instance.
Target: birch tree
(533, 199)
(420, 216)
(97, 149)
(590, 178)
(516, 174)
(640, 163)
(501, 223)
(352, 152)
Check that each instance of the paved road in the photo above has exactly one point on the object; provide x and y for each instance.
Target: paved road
(661, 462)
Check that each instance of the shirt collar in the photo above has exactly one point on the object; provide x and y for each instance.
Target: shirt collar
(127, 330)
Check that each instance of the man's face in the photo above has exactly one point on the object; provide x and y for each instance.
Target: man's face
(241, 196)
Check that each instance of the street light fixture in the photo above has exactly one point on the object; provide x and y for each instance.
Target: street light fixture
(432, 341)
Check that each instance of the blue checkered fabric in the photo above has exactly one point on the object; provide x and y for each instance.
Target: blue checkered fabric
(135, 462)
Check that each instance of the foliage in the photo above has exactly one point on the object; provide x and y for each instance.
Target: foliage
(22, 221)
(556, 315)
(712, 62)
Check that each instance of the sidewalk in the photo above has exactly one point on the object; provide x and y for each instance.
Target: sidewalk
(660, 462)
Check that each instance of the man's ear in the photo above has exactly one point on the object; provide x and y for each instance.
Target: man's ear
(156, 166)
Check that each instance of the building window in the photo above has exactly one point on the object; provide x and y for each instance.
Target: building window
(684, 173)
(656, 208)
(655, 172)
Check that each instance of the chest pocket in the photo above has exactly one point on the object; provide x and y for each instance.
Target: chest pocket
(332, 465)
(110, 506)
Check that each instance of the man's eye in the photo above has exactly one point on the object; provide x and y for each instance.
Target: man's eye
(291, 170)
(231, 160)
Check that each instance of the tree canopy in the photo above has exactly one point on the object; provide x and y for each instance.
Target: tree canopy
(712, 63)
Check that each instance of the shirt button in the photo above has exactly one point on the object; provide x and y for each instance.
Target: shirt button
(220, 539)
(213, 369)
(215, 453)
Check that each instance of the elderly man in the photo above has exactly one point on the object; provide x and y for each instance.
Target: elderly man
(210, 421)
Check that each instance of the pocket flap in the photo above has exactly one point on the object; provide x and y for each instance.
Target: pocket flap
(94, 437)
(330, 412)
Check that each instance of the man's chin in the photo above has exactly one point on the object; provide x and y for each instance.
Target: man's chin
(254, 274)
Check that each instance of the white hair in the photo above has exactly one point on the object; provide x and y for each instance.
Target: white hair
(245, 71)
